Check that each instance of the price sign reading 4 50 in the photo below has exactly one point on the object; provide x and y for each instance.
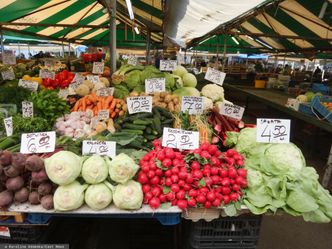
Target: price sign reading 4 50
(102, 148)
(180, 139)
(273, 130)
(192, 105)
(39, 142)
(139, 104)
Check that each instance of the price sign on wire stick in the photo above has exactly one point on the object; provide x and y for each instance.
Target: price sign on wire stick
(78, 78)
(167, 65)
(232, 111)
(46, 74)
(273, 130)
(192, 105)
(63, 93)
(139, 104)
(155, 85)
(93, 78)
(8, 74)
(8, 122)
(38, 142)
(102, 148)
(132, 60)
(215, 76)
(28, 84)
(27, 109)
(104, 92)
(180, 139)
(103, 114)
(98, 68)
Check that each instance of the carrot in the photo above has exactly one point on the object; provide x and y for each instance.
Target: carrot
(99, 106)
(112, 106)
(83, 104)
(108, 101)
(113, 114)
(76, 106)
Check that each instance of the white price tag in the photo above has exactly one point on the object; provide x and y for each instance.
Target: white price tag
(4, 231)
(75, 85)
(93, 78)
(192, 105)
(215, 76)
(139, 104)
(8, 74)
(27, 109)
(98, 68)
(44, 74)
(28, 84)
(102, 148)
(8, 58)
(49, 63)
(103, 114)
(104, 92)
(273, 130)
(8, 122)
(155, 85)
(293, 103)
(132, 60)
(78, 78)
(63, 93)
(232, 111)
(168, 65)
(38, 142)
(180, 139)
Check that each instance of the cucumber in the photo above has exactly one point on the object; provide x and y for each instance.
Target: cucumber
(156, 124)
(140, 116)
(142, 122)
(150, 137)
(138, 132)
(156, 113)
(134, 126)
(168, 121)
(164, 112)
(148, 130)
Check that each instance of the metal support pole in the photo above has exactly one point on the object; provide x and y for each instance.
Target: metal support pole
(185, 56)
(111, 4)
(19, 49)
(225, 51)
(68, 49)
(148, 43)
(63, 50)
(2, 47)
(29, 50)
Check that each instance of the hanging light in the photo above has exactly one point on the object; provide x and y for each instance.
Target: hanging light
(136, 30)
(323, 10)
(263, 43)
(249, 37)
(130, 9)
(235, 40)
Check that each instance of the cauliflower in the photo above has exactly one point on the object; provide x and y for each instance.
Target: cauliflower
(207, 103)
(213, 92)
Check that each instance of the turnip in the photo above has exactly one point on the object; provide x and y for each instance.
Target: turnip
(39, 176)
(10, 171)
(34, 198)
(5, 158)
(18, 161)
(6, 198)
(22, 195)
(47, 202)
(45, 189)
(34, 163)
(15, 183)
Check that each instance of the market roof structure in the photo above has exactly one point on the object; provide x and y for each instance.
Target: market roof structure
(80, 21)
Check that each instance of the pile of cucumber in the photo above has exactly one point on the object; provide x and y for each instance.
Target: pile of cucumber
(148, 125)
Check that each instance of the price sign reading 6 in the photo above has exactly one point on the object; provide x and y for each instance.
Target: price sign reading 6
(273, 130)
(39, 142)
(139, 104)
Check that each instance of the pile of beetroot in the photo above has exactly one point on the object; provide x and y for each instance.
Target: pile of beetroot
(205, 177)
(23, 178)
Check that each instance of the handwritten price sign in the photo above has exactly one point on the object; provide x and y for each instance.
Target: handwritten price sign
(215, 76)
(102, 148)
(8, 122)
(103, 114)
(39, 142)
(132, 60)
(8, 58)
(28, 84)
(192, 105)
(293, 103)
(98, 68)
(232, 111)
(78, 78)
(139, 104)
(167, 65)
(50, 63)
(8, 74)
(27, 109)
(93, 78)
(273, 130)
(44, 74)
(104, 92)
(155, 85)
(180, 139)
(63, 93)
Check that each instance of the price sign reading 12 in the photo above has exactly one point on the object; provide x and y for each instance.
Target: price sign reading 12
(273, 130)
(192, 105)
(38, 142)
(180, 139)
(139, 104)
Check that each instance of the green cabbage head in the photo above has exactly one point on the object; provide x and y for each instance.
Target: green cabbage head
(128, 195)
(95, 169)
(69, 197)
(98, 196)
(122, 168)
(63, 167)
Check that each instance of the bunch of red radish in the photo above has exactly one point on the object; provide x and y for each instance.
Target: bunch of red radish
(203, 177)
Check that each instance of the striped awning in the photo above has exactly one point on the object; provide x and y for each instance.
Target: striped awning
(301, 26)
(81, 21)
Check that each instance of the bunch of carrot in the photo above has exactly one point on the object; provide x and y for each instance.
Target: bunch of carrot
(98, 103)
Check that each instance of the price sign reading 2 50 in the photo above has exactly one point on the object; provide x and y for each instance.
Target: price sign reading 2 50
(39, 142)
(139, 104)
(180, 139)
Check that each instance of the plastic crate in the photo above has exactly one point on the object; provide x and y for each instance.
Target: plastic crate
(229, 233)
(317, 87)
(306, 108)
(24, 234)
(38, 218)
(322, 110)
